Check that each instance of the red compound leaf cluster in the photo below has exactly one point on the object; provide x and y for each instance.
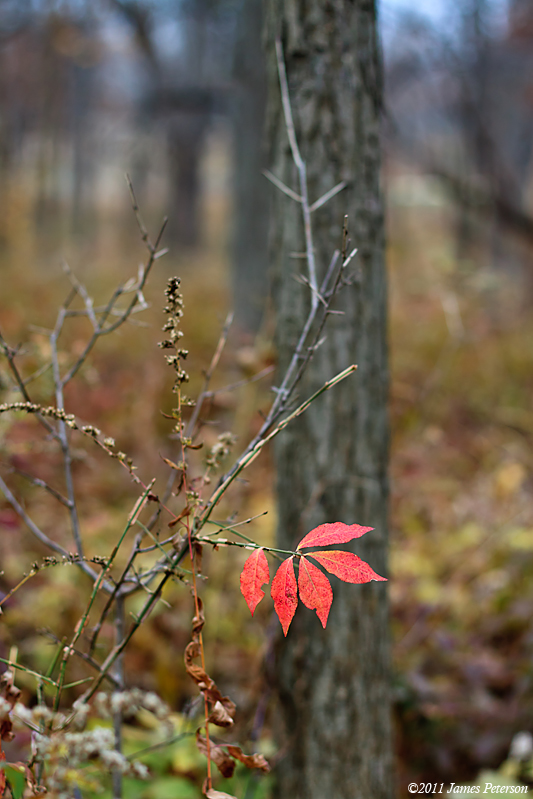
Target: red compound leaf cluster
(313, 585)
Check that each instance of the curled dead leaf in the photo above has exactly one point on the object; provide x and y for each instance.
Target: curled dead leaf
(250, 761)
(223, 716)
(220, 715)
(224, 756)
(6, 731)
(198, 621)
(196, 673)
(167, 460)
(224, 763)
(185, 512)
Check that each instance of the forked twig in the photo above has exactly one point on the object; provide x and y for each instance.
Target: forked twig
(204, 394)
(302, 172)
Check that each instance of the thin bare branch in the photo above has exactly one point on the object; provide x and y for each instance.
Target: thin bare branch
(37, 532)
(302, 172)
(63, 435)
(120, 624)
(349, 258)
(330, 271)
(38, 372)
(101, 329)
(83, 656)
(287, 110)
(252, 453)
(327, 196)
(240, 383)
(209, 374)
(10, 355)
(119, 587)
(82, 291)
(36, 481)
(282, 187)
(139, 619)
(136, 210)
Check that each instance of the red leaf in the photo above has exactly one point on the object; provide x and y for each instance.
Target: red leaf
(315, 590)
(254, 574)
(337, 533)
(284, 594)
(345, 566)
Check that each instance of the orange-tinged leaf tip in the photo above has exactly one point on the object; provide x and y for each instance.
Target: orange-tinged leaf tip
(254, 574)
(346, 566)
(336, 533)
(315, 590)
(284, 593)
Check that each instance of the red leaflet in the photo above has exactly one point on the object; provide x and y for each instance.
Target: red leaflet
(315, 590)
(254, 574)
(283, 592)
(345, 566)
(337, 533)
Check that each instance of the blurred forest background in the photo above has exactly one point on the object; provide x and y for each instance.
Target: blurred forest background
(173, 93)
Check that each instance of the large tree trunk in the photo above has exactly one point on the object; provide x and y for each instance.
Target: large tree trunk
(333, 685)
(186, 144)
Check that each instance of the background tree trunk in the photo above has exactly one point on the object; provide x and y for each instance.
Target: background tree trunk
(250, 195)
(333, 685)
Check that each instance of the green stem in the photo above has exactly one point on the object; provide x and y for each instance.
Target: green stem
(28, 671)
(145, 611)
(248, 545)
(250, 455)
(154, 539)
(83, 621)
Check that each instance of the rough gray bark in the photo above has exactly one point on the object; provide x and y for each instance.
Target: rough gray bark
(333, 685)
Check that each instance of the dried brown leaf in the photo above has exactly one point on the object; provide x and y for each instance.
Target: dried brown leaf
(185, 512)
(169, 462)
(220, 715)
(196, 673)
(6, 730)
(198, 552)
(250, 761)
(224, 763)
(198, 621)
(209, 688)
